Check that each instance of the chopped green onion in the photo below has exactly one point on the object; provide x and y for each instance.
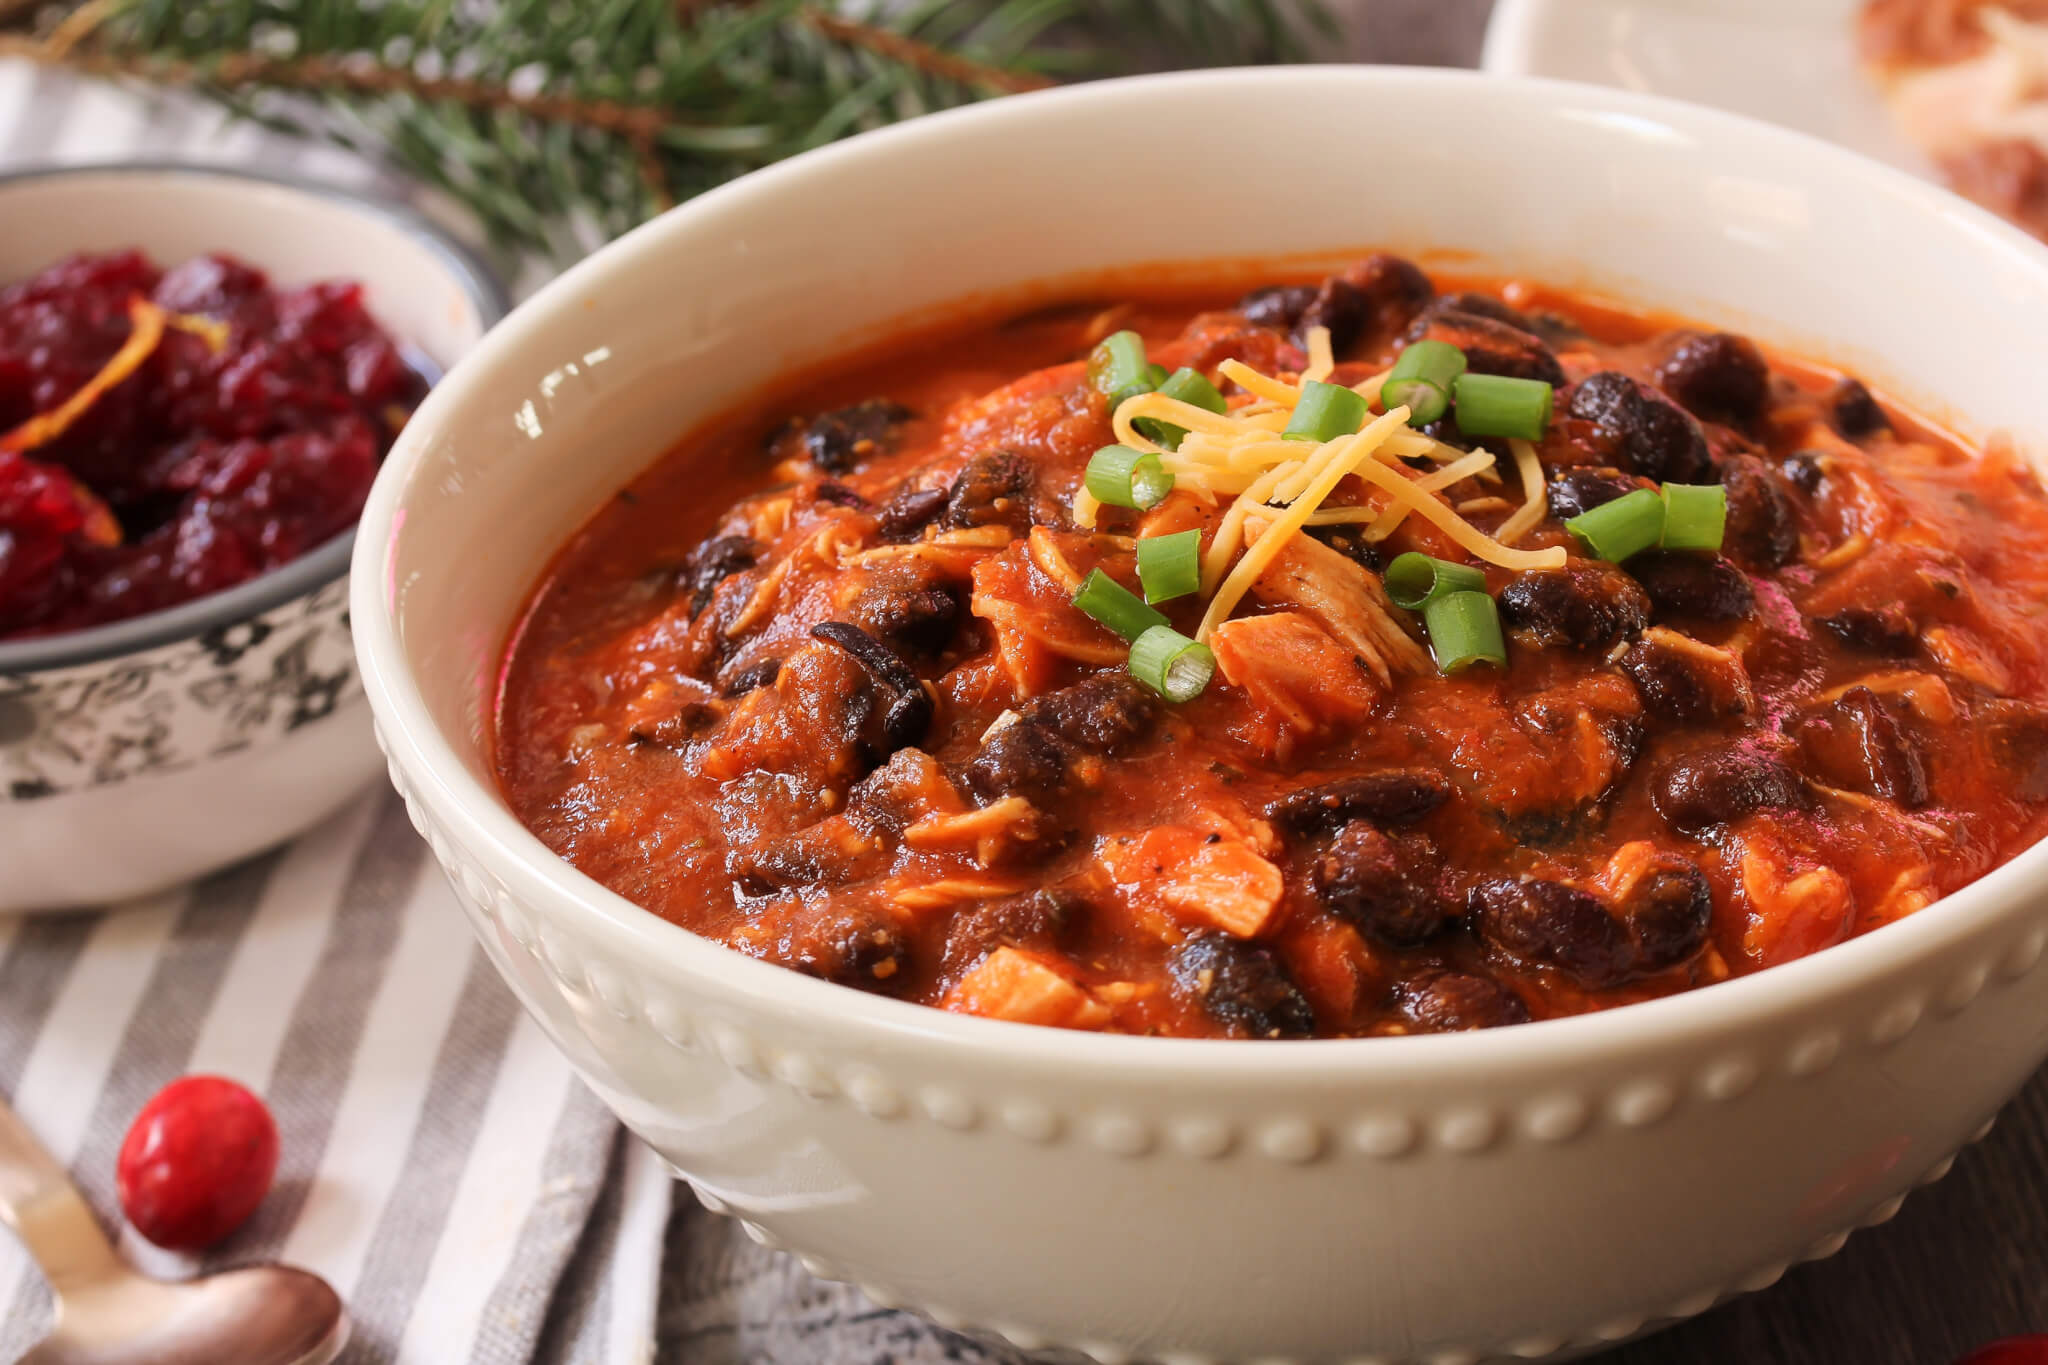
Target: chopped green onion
(1123, 477)
(1627, 526)
(1117, 362)
(1415, 580)
(1425, 401)
(1116, 400)
(1189, 386)
(1171, 664)
(1170, 566)
(1464, 629)
(1116, 606)
(1325, 412)
(1496, 405)
(1438, 362)
(1695, 516)
(1155, 374)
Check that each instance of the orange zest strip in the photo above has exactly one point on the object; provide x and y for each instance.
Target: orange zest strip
(212, 331)
(148, 330)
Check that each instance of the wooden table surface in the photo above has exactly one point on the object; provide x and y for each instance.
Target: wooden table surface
(1964, 1262)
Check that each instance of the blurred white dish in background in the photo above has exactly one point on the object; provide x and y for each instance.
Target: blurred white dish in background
(1791, 62)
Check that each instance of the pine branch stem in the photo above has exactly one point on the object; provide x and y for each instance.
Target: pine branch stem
(926, 58)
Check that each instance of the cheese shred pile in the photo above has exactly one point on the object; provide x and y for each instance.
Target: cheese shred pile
(1241, 455)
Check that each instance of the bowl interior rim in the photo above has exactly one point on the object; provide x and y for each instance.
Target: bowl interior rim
(327, 561)
(538, 877)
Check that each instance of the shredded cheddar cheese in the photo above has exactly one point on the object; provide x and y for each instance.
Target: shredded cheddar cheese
(1239, 454)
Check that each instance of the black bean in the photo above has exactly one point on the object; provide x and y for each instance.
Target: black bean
(1685, 685)
(893, 795)
(689, 721)
(1889, 629)
(1556, 925)
(909, 711)
(2016, 737)
(1761, 527)
(908, 511)
(1855, 742)
(1032, 756)
(1242, 987)
(1391, 290)
(1653, 436)
(1340, 306)
(839, 495)
(1453, 1002)
(1668, 910)
(830, 853)
(838, 441)
(860, 947)
(1717, 375)
(1585, 605)
(1021, 759)
(1856, 413)
(1101, 714)
(1278, 306)
(1033, 920)
(1490, 345)
(1704, 587)
(761, 674)
(712, 563)
(1388, 889)
(919, 618)
(1349, 542)
(1577, 491)
(1487, 306)
(1802, 469)
(994, 487)
(1708, 788)
(1394, 796)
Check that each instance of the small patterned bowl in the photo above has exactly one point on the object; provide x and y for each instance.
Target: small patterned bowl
(1521, 1193)
(140, 754)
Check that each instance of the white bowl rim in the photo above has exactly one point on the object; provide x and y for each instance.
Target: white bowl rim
(326, 561)
(821, 1009)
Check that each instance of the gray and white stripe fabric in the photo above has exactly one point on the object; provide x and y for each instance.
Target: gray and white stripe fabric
(440, 1164)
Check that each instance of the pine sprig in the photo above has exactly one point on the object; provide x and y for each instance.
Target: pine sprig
(560, 125)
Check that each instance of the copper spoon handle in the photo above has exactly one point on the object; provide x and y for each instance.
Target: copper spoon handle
(38, 1200)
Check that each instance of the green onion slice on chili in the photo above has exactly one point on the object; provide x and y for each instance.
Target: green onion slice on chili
(1170, 566)
(1171, 664)
(1464, 629)
(1614, 531)
(1116, 606)
(1421, 379)
(1497, 405)
(1425, 401)
(1415, 580)
(1325, 412)
(1123, 477)
(1695, 516)
(1117, 363)
(1189, 386)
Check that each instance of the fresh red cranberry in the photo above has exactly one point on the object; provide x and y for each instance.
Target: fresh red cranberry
(196, 1163)
(2028, 1350)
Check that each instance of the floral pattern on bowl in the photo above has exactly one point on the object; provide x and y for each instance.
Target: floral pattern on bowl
(163, 710)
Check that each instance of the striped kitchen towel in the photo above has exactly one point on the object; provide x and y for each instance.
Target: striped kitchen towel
(440, 1164)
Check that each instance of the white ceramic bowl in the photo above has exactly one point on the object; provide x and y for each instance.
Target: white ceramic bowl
(1523, 1192)
(140, 754)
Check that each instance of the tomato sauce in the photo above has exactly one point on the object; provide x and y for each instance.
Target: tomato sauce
(814, 686)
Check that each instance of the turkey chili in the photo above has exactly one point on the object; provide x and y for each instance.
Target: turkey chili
(1347, 658)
